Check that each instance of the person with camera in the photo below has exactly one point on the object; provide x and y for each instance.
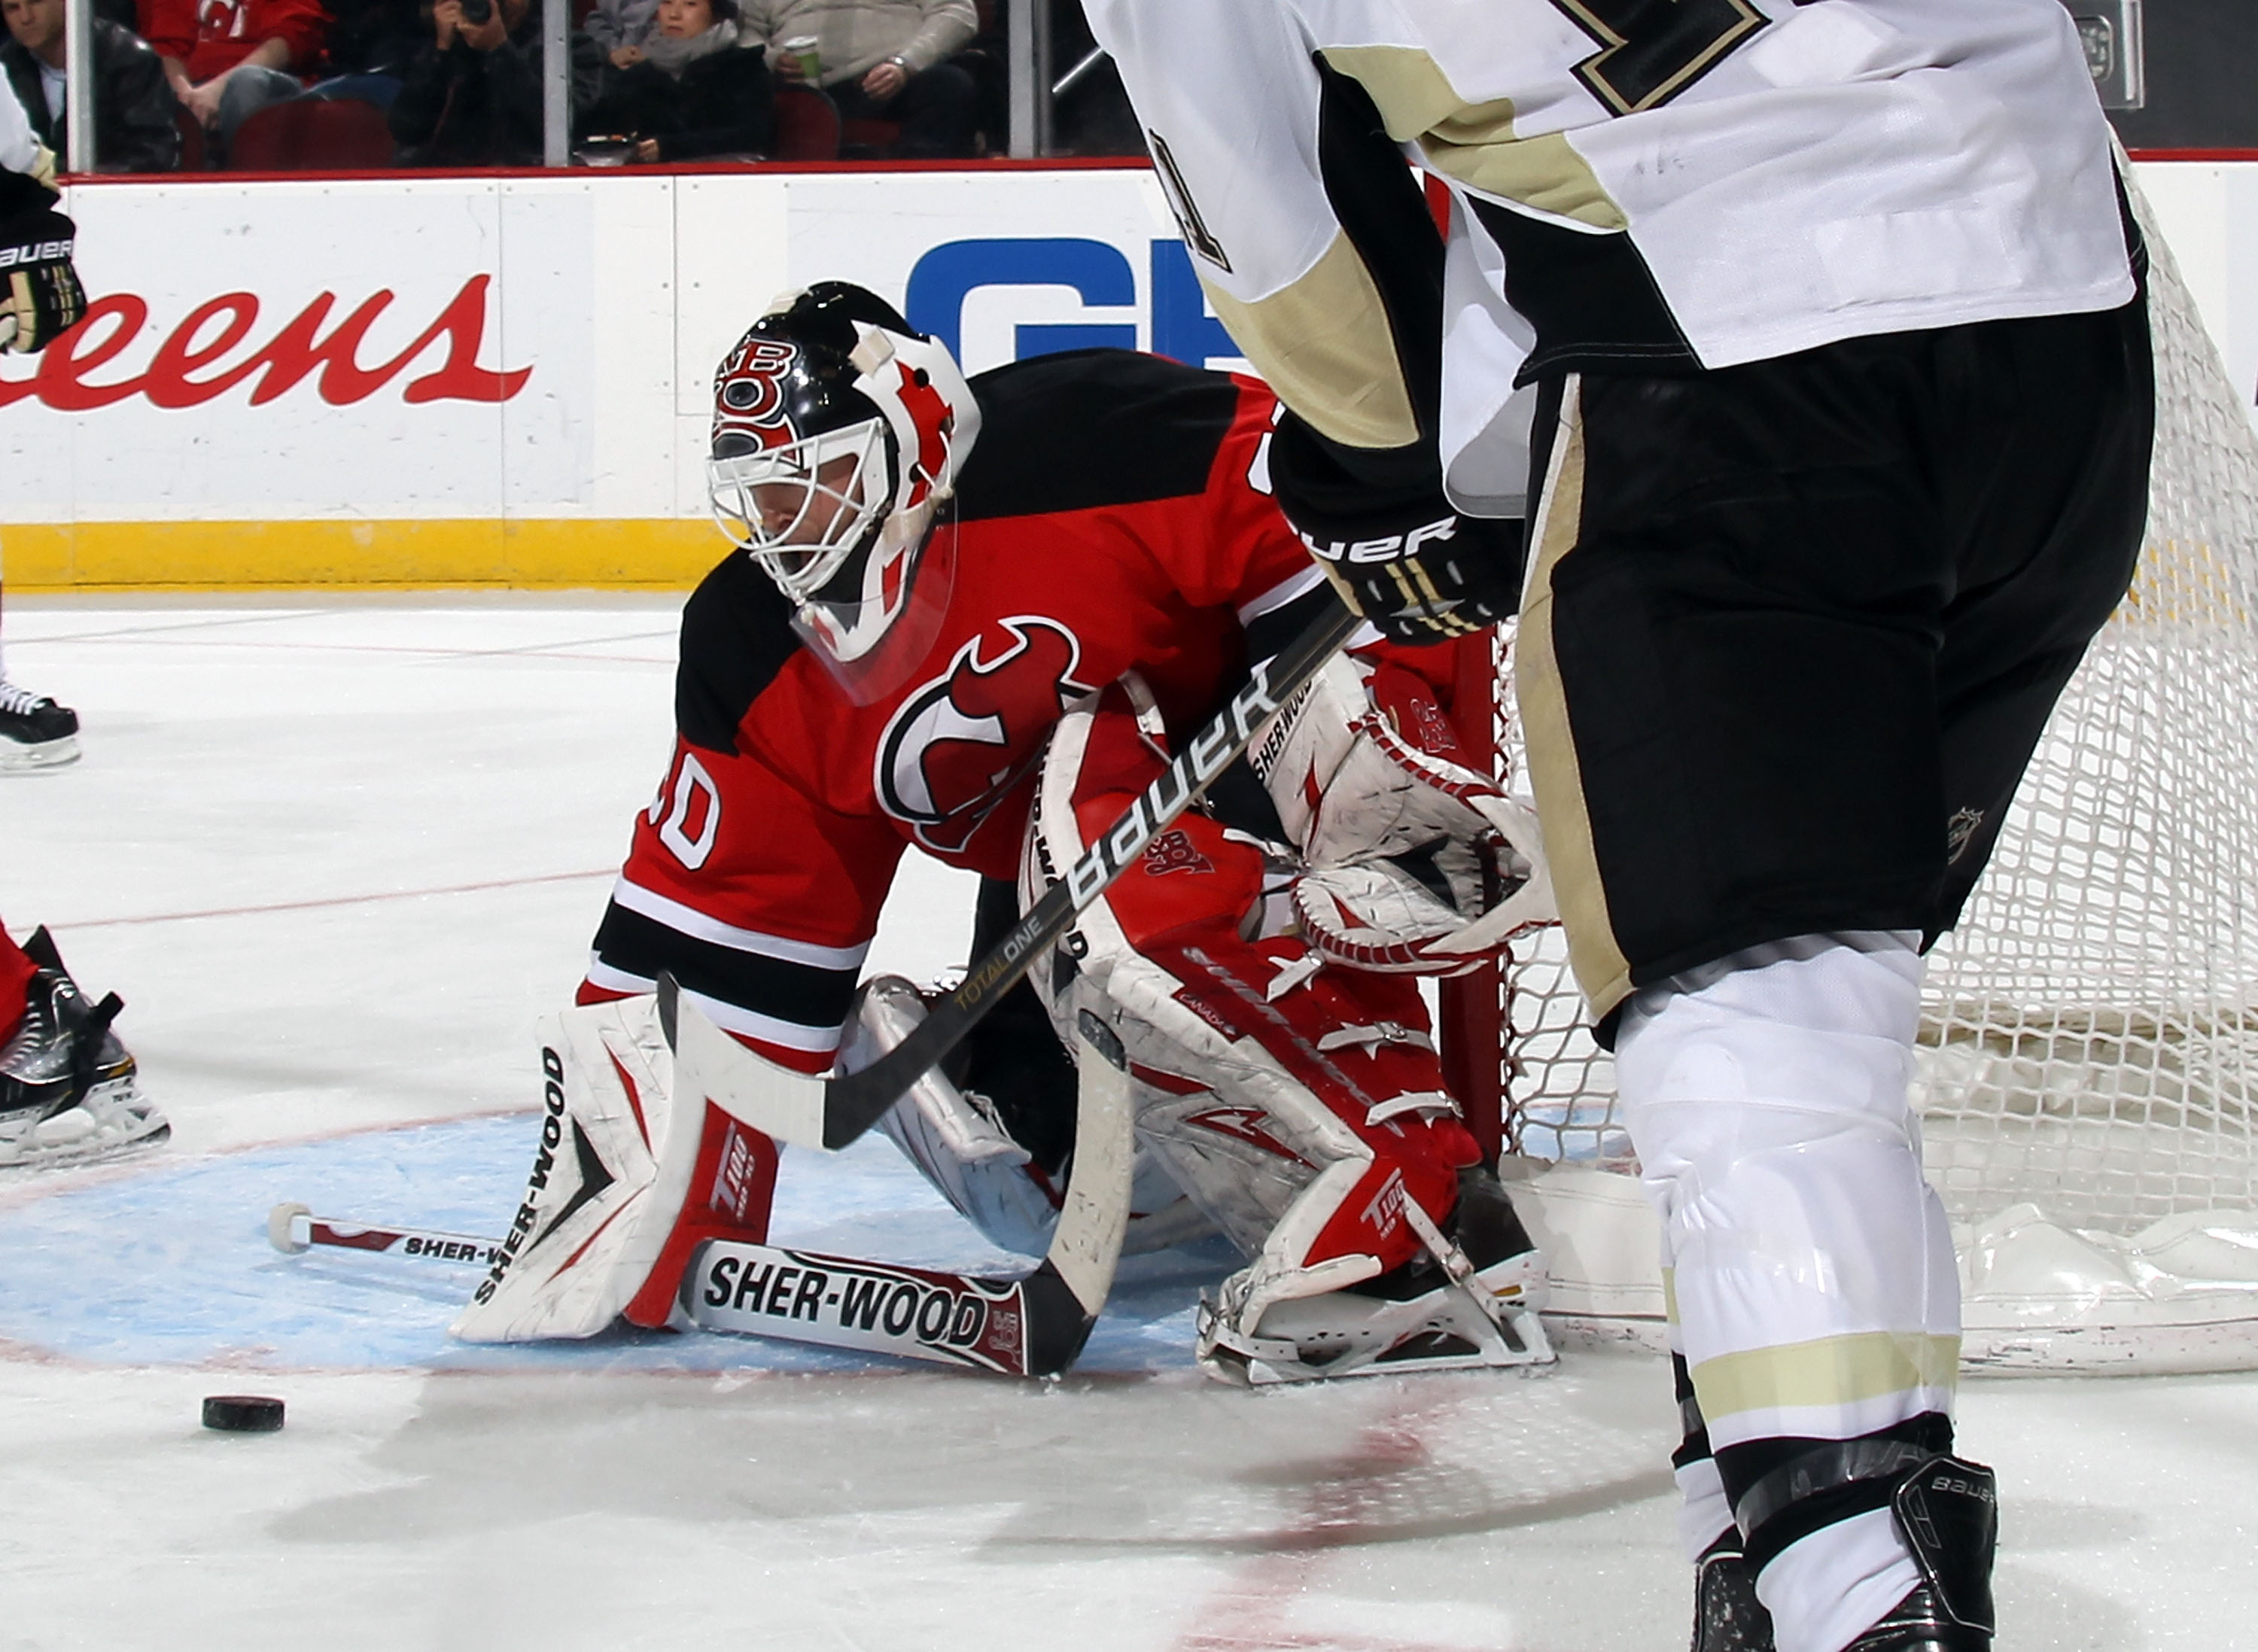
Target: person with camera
(473, 95)
(691, 90)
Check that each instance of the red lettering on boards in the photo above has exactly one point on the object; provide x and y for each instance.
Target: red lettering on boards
(187, 371)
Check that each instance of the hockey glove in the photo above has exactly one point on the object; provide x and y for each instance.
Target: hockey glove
(40, 297)
(1391, 543)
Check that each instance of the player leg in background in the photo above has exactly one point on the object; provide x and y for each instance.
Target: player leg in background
(1791, 634)
(1300, 1104)
(69, 1090)
(35, 733)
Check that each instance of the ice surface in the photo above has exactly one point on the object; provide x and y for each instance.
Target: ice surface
(337, 857)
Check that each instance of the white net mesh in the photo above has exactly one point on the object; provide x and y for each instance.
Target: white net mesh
(2090, 1036)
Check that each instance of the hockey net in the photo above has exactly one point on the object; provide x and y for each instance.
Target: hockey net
(2087, 1075)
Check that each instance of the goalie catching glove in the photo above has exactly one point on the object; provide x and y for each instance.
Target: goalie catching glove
(40, 298)
(1415, 864)
(1396, 551)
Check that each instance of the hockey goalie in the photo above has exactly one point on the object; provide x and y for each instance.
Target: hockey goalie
(973, 618)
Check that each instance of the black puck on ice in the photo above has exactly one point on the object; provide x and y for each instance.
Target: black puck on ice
(242, 1412)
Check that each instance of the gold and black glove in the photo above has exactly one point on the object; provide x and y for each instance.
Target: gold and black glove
(40, 298)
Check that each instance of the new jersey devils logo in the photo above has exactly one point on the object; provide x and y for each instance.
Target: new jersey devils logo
(958, 744)
(749, 393)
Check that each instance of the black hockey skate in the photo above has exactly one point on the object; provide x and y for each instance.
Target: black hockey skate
(1728, 1617)
(68, 1087)
(1947, 1510)
(35, 733)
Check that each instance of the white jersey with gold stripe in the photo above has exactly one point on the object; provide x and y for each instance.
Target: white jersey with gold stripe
(1670, 184)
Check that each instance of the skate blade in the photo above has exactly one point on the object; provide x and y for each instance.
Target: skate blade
(76, 1137)
(51, 753)
(1440, 1334)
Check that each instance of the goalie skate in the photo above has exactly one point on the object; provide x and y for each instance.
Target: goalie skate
(69, 1091)
(1439, 1313)
(1347, 1334)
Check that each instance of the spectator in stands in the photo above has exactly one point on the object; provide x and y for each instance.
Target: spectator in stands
(372, 43)
(473, 95)
(881, 60)
(691, 90)
(226, 59)
(620, 27)
(133, 105)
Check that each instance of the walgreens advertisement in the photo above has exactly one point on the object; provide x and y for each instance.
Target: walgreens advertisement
(507, 378)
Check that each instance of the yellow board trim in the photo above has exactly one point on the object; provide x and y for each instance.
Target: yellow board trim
(1832, 1370)
(519, 555)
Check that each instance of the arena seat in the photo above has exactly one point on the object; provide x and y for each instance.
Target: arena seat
(868, 139)
(313, 135)
(192, 141)
(807, 125)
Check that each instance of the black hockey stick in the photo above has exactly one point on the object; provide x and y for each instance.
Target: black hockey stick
(830, 1113)
(856, 1101)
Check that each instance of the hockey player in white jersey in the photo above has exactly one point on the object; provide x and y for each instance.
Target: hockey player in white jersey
(1844, 404)
(39, 297)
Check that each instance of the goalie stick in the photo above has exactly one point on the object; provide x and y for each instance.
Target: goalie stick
(294, 1230)
(830, 1113)
(1031, 1326)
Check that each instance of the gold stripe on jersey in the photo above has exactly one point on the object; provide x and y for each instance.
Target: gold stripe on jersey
(1594, 952)
(1325, 344)
(1832, 1370)
(1474, 143)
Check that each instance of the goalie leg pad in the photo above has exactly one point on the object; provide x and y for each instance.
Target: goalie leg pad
(627, 1180)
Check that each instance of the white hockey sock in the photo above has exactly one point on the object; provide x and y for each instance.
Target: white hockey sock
(1704, 1512)
(1814, 1276)
(1831, 1588)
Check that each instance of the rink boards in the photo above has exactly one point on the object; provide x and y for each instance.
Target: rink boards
(504, 380)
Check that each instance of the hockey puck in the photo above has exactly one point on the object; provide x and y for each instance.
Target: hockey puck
(242, 1412)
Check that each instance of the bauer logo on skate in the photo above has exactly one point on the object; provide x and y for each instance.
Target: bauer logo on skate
(211, 352)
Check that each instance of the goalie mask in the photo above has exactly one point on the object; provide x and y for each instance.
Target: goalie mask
(838, 436)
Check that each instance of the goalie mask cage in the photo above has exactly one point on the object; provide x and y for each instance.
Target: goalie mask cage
(2087, 1070)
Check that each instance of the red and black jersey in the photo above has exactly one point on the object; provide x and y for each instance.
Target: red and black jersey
(1113, 516)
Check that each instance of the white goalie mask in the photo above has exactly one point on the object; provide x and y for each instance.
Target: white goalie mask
(838, 436)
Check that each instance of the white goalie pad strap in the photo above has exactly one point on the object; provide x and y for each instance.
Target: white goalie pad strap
(1376, 1033)
(616, 1162)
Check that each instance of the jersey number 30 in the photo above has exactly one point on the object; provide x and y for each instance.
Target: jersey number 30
(1654, 49)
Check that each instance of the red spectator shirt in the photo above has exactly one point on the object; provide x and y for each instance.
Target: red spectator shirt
(210, 37)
